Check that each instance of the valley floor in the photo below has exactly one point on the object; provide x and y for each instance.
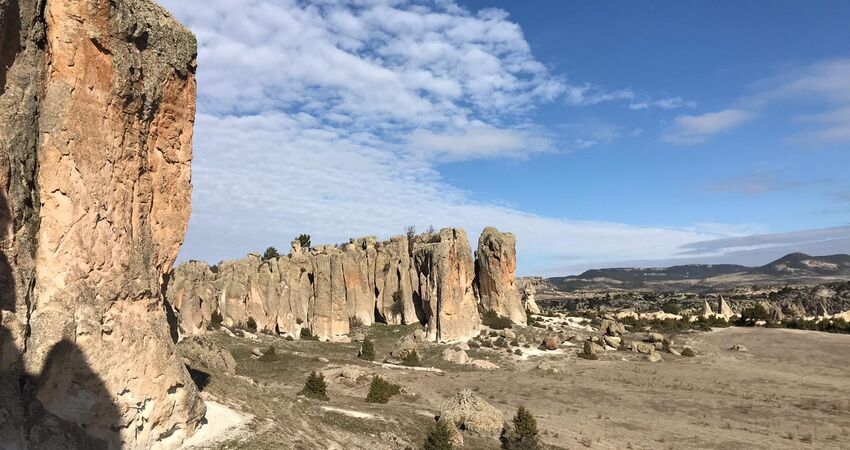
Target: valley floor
(788, 391)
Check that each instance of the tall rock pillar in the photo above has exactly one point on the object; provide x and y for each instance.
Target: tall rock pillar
(495, 275)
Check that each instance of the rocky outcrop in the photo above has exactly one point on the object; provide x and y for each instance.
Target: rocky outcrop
(495, 274)
(725, 309)
(470, 413)
(444, 263)
(97, 101)
(325, 288)
(529, 293)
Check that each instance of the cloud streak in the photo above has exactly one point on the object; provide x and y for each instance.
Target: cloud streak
(695, 129)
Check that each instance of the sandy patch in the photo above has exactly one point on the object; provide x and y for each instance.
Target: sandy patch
(220, 422)
(349, 412)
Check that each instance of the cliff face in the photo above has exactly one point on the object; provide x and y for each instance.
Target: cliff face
(325, 288)
(495, 270)
(96, 114)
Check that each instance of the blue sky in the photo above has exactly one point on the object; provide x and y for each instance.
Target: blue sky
(601, 133)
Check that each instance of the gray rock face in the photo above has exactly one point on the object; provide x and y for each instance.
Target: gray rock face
(495, 271)
(200, 351)
(94, 203)
(472, 414)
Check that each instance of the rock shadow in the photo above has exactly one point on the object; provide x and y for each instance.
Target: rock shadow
(66, 406)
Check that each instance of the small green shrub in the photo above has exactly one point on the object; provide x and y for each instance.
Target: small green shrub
(215, 320)
(307, 335)
(269, 355)
(271, 253)
(315, 387)
(671, 308)
(367, 350)
(496, 322)
(439, 437)
(381, 390)
(410, 358)
(304, 240)
(523, 435)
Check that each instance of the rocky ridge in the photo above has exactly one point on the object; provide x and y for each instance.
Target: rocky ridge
(322, 290)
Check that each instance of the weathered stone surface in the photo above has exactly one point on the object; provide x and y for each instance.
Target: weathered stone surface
(610, 327)
(654, 356)
(529, 292)
(97, 101)
(455, 356)
(495, 275)
(725, 309)
(707, 312)
(193, 297)
(551, 343)
(472, 414)
(202, 352)
(444, 263)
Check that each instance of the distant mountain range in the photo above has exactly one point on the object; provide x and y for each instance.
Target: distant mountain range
(795, 268)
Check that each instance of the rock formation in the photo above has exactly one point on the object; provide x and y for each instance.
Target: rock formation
(725, 310)
(444, 263)
(97, 101)
(495, 274)
(707, 312)
(529, 292)
(325, 288)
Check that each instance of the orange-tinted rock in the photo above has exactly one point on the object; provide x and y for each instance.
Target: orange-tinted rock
(495, 275)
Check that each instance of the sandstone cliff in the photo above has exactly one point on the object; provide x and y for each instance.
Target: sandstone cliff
(495, 274)
(97, 104)
(324, 289)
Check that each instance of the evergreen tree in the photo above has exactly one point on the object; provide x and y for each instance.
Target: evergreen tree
(271, 253)
(315, 387)
(367, 350)
(524, 435)
(439, 438)
(381, 390)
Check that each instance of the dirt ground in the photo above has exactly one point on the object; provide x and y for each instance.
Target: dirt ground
(790, 390)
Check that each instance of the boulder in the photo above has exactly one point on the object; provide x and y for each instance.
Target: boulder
(643, 347)
(688, 351)
(483, 364)
(654, 356)
(509, 334)
(455, 356)
(655, 337)
(674, 352)
(202, 352)
(495, 275)
(97, 102)
(739, 348)
(612, 341)
(470, 413)
(551, 343)
(446, 271)
(611, 327)
(592, 348)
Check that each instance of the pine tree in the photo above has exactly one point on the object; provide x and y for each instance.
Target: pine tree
(367, 350)
(315, 387)
(381, 390)
(524, 435)
(439, 438)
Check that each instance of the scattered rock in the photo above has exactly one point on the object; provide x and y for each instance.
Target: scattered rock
(674, 352)
(463, 346)
(551, 343)
(351, 372)
(612, 341)
(654, 356)
(509, 334)
(483, 364)
(469, 412)
(455, 356)
(592, 348)
(643, 347)
(544, 366)
(322, 359)
(420, 335)
(688, 351)
(256, 352)
(611, 327)
(655, 338)
(739, 348)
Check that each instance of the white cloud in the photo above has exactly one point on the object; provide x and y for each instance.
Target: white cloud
(478, 140)
(329, 117)
(694, 129)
